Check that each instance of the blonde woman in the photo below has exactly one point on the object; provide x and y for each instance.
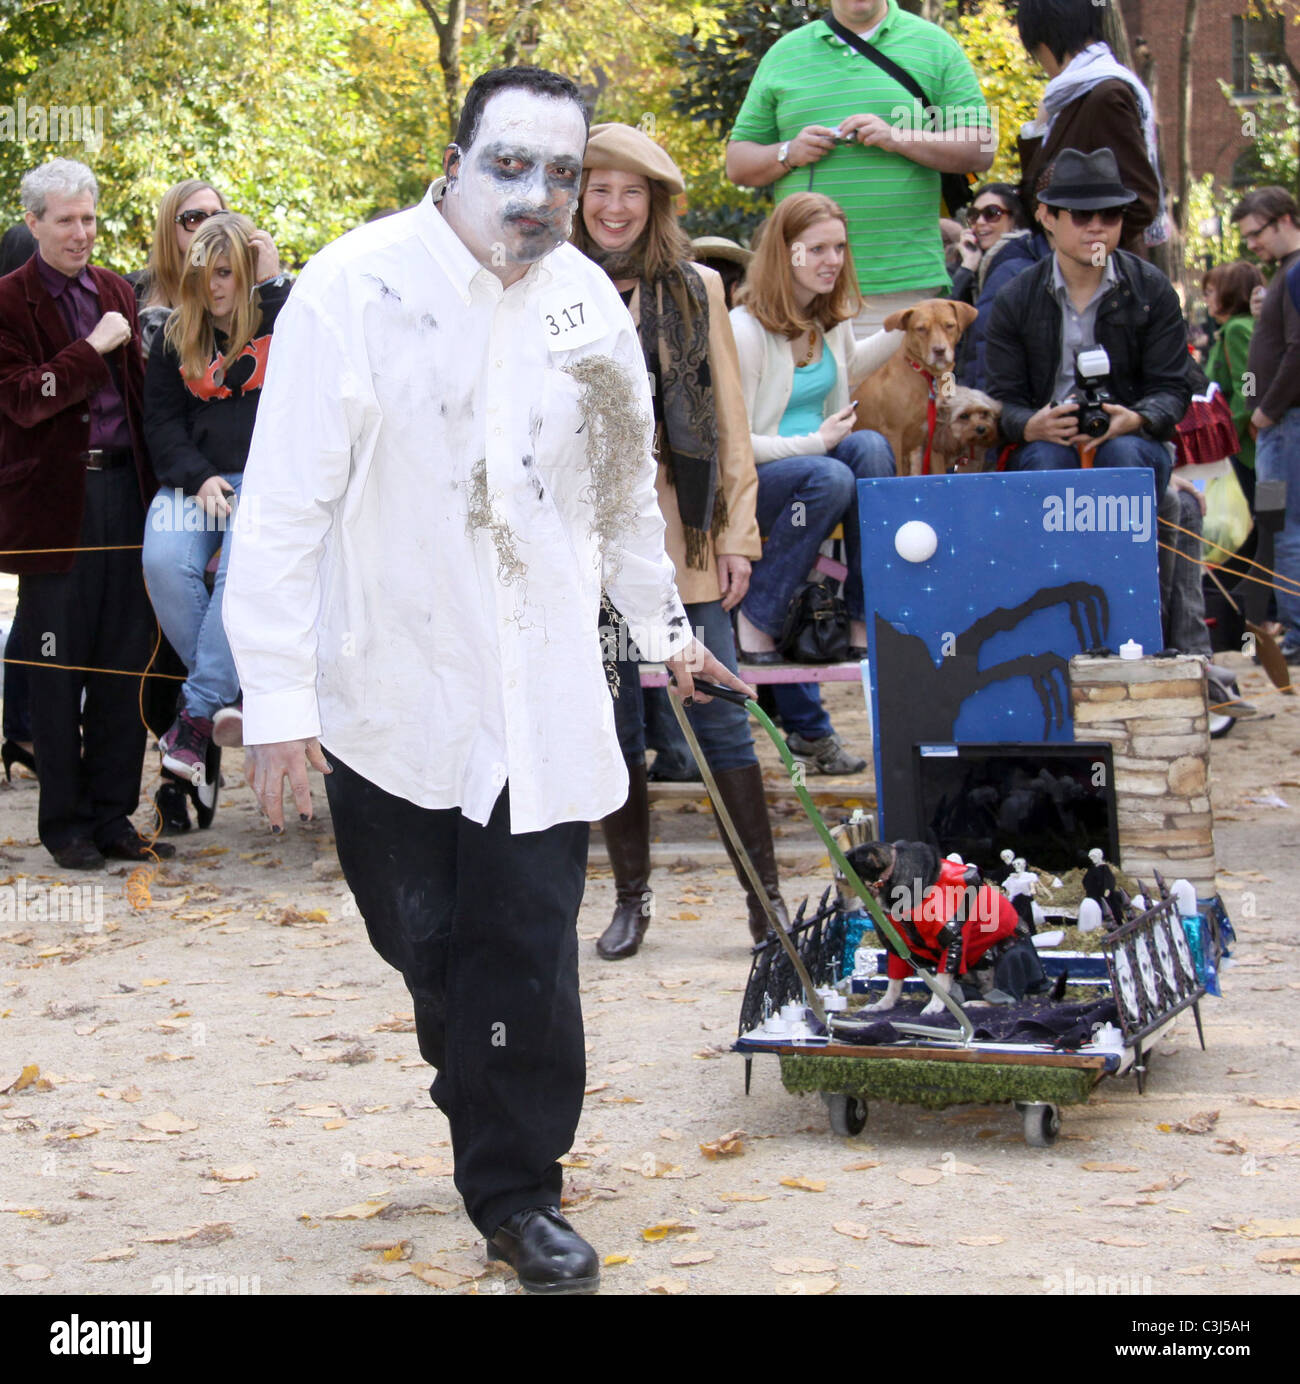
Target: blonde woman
(794, 334)
(185, 206)
(202, 386)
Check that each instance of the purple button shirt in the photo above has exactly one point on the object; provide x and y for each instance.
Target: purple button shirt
(78, 302)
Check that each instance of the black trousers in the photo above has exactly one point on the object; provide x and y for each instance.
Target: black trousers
(96, 616)
(482, 925)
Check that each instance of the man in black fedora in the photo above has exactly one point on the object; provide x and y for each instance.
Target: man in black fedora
(1087, 349)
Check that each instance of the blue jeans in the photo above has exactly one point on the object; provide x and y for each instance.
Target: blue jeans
(1128, 450)
(1277, 458)
(722, 727)
(175, 559)
(800, 500)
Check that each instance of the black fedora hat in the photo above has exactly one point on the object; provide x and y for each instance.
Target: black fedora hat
(1085, 182)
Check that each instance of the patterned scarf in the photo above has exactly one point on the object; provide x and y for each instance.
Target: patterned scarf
(689, 437)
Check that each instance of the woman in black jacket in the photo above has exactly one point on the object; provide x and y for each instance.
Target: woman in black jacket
(202, 386)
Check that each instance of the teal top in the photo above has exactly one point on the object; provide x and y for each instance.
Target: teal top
(809, 77)
(806, 410)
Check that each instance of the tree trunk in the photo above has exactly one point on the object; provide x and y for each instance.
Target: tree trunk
(450, 31)
(1190, 8)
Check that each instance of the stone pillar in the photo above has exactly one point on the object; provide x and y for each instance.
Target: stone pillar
(1153, 711)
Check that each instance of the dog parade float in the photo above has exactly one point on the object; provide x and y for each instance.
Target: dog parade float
(1040, 906)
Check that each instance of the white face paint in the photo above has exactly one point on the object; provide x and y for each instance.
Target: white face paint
(512, 195)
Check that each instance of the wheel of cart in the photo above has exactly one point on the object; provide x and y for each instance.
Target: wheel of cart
(1042, 1122)
(848, 1112)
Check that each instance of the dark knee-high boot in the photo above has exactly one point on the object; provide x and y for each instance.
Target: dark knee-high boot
(745, 799)
(627, 839)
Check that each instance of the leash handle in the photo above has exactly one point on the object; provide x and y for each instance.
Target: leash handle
(716, 689)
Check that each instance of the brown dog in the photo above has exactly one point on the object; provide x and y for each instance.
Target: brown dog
(966, 437)
(894, 399)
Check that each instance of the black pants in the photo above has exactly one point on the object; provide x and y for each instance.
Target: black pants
(96, 616)
(483, 927)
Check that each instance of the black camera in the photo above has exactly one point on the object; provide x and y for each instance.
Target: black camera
(1091, 391)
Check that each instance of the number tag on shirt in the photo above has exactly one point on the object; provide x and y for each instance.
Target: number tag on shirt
(570, 319)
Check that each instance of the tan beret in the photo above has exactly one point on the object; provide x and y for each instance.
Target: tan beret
(719, 247)
(629, 150)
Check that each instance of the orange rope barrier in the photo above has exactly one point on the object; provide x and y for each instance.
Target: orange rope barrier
(1250, 561)
(110, 548)
(77, 668)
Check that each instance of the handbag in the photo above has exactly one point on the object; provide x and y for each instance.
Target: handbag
(957, 188)
(1206, 431)
(816, 628)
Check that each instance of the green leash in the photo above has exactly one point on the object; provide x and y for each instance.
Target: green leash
(882, 923)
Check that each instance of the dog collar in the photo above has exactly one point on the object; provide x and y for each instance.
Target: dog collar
(889, 871)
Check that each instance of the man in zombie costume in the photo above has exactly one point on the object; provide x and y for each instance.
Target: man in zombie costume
(452, 457)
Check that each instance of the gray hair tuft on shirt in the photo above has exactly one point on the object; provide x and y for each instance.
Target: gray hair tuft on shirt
(65, 177)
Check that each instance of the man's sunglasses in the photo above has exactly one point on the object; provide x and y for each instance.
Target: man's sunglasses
(1108, 216)
(992, 212)
(192, 220)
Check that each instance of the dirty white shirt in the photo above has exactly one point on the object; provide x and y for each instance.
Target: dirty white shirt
(437, 657)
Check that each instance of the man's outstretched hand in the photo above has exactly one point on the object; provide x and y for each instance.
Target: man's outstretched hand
(695, 658)
(267, 766)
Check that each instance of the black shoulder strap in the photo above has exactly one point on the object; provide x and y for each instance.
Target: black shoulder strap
(873, 54)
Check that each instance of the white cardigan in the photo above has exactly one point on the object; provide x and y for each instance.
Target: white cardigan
(767, 378)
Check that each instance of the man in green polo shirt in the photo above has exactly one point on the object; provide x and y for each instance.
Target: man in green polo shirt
(886, 173)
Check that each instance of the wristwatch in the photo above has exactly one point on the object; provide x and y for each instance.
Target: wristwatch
(783, 155)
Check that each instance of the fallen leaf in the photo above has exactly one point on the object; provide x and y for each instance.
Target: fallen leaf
(31, 1272)
(743, 1196)
(1193, 1270)
(237, 1172)
(807, 1287)
(112, 1167)
(807, 1184)
(610, 1260)
(209, 1232)
(165, 1122)
(358, 1211)
(803, 1264)
(979, 1240)
(665, 1229)
(1108, 1167)
(599, 1086)
(151, 981)
(900, 1239)
(1270, 1229)
(725, 1146)
(130, 1094)
(334, 1124)
(23, 1080)
(1117, 1241)
(919, 1177)
(1278, 1256)
(436, 1277)
(1169, 1184)
(107, 1256)
(861, 1165)
(855, 1230)
(691, 1256)
(1277, 1102)
(380, 1160)
(666, 1285)
(1200, 1123)
(650, 1166)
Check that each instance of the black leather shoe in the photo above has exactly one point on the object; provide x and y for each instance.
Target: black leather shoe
(766, 659)
(135, 847)
(546, 1252)
(79, 855)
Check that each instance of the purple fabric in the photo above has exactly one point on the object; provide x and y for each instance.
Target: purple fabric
(78, 303)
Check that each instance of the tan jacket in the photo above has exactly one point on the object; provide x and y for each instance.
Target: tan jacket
(737, 478)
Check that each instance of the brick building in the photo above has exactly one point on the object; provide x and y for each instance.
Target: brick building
(1225, 36)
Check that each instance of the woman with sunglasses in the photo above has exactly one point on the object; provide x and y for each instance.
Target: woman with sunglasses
(185, 206)
(996, 245)
(201, 391)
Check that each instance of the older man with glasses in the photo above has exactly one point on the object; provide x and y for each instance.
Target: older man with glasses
(1088, 316)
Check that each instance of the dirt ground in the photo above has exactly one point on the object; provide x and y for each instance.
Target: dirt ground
(230, 1098)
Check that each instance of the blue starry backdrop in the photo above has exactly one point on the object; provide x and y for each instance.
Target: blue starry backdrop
(1002, 539)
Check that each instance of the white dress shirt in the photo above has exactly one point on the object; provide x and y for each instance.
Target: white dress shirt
(439, 658)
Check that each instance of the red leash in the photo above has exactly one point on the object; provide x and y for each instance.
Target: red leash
(931, 416)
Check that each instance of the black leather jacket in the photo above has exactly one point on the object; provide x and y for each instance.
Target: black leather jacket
(1139, 322)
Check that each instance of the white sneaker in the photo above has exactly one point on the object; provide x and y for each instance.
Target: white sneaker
(228, 726)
